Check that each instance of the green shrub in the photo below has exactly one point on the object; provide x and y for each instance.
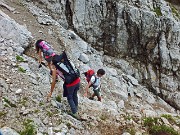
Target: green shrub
(128, 117)
(29, 128)
(21, 70)
(8, 102)
(168, 117)
(132, 131)
(19, 58)
(174, 11)
(155, 128)
(2, 114)
(41, 104)
(69, 124)
(58, 98)
(36, 111)
(149, 121)
(158, 12)
(162, 129)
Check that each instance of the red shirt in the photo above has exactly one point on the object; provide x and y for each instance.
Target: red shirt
(73, 83)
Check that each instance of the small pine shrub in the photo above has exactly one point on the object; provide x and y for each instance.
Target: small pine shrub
(19, 58)
(21, 70)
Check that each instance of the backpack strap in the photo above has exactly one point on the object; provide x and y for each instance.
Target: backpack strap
(94, 80)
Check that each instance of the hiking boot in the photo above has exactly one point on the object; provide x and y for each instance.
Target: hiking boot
(91, 98)
(75, 115)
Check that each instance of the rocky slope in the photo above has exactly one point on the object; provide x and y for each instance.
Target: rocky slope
(145, 33)
(24, 86)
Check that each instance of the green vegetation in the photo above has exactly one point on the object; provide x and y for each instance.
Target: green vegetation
(128, 117)
(59, 121)
(23, 101)
(58, 98)
(36, 111)
(157, 10)
(41, 104)
(103, 117)
(21, 70)
(8, 102)
(168, 117)
(19, 58)
(174, 11)
(44, 133)
(49, 113)
(132, 131)
(177, 120)
(6, 105)
(68, 124)
(2, 114)
(149, 121)
(155, 128)
(29, 128)
(56, 131)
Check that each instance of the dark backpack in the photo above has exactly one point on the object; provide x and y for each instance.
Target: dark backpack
(88, 76)
(46, 48)
(62, 63)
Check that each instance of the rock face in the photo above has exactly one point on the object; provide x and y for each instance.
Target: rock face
(15, 36)
(145, 32)
(126, 101)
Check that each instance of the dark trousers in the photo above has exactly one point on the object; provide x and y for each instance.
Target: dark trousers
(71, 94)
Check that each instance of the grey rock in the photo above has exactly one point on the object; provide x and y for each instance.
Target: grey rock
(131, 79)
(3, 84)
(19, 91)
(14, 33)
(84, 58)
(25, 66)
(8, 131)
(10, 50)
(2, 3)
(46, 20)
(111, 71)
(121, 104)
(71, 36)
(165, 121)
(126, 133)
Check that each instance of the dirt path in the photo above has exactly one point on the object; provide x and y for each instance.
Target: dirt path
(22, 16)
